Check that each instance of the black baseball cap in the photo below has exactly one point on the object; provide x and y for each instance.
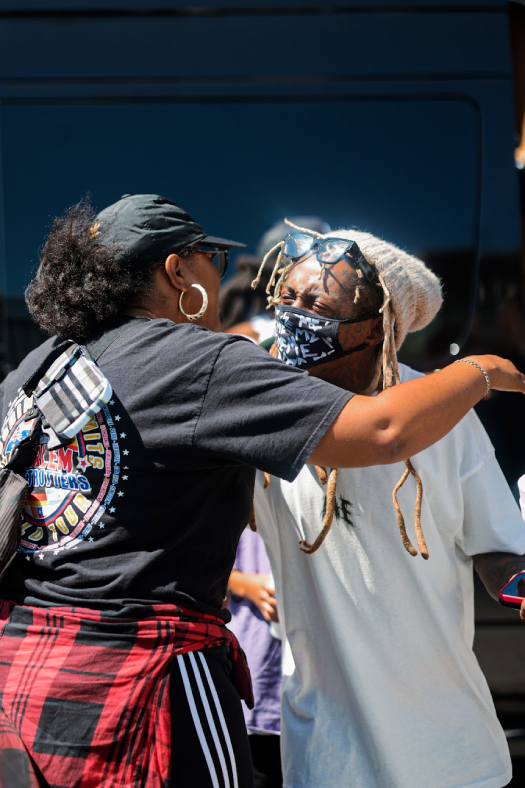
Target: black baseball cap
(143, 228)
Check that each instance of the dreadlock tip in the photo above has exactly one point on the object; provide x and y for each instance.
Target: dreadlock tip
(425, 556)
(305, 547)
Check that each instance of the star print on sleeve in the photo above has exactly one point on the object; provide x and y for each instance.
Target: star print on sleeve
(120, 494)
(91, 539)
(112, 509)
(122, 434)
(125, 478)
(126, 452)
(82, 463)
(117, 418)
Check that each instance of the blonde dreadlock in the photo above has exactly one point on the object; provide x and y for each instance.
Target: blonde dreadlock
(386, 364)
(391, 378)
(306, 547)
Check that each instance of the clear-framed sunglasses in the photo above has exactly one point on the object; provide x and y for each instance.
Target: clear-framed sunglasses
(218, 256)
(328, 252)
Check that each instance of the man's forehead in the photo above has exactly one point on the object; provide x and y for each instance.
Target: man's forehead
(338, 280)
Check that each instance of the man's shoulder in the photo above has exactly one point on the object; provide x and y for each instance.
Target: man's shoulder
(468, 425)
(466, 443)
(407, 373)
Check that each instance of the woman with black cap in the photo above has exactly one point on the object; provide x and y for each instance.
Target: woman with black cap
(117, 668)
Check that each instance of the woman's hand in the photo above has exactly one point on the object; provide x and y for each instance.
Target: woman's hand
(259, 589)
(502, 373)
(406, 419)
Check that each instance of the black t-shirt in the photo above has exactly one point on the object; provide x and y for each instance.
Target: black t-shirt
(147, 503)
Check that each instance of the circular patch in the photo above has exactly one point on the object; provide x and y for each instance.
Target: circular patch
(70, 486)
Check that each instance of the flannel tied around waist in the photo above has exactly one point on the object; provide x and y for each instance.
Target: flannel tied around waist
(88, 694)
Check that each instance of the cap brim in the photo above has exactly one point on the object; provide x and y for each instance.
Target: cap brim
(212, 240)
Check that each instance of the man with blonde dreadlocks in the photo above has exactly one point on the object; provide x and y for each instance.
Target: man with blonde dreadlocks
(386, 691)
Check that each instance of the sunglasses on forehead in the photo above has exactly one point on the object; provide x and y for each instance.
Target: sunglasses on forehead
(328, 251)
(218, 256)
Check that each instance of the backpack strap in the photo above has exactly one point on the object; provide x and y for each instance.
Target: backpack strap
(23, 455)
(96, 347)
(32, 382)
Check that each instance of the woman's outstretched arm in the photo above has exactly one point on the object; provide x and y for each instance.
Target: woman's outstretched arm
(411, 416)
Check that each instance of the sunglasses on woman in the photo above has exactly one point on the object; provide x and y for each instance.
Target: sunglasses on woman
(328, 251)
(218, 256)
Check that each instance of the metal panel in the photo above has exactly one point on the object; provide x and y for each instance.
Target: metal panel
(287, 49)
(225, 7)
(81, 93)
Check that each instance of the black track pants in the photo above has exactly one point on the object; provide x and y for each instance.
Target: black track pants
(266, 757)
(210, 746)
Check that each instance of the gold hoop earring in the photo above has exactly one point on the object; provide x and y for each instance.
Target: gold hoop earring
(203, 308)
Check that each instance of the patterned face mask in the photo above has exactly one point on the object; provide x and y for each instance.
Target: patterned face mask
(306, 340)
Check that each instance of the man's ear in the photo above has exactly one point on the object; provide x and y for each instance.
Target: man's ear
(177, 272)
(375, 334)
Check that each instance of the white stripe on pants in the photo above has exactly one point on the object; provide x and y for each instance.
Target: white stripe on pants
(206, 728)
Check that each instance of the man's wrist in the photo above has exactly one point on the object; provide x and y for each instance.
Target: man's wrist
(237, 583)
(497, 569)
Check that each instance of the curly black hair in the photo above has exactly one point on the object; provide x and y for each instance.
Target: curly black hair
(79, 286)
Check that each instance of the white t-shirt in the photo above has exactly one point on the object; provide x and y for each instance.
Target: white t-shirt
(387, 692)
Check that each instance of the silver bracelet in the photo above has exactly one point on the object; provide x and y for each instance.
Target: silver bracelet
(475, 364)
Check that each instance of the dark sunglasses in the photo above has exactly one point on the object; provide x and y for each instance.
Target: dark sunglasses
(219, 256)
(328, 251)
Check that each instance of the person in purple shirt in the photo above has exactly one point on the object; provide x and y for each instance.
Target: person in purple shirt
(254, 616)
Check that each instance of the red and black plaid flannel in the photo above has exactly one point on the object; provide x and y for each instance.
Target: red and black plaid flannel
(88, 694)
(16, 770)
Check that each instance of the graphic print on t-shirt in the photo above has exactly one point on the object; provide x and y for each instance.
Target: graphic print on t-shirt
(71, 486)
(342, 510)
